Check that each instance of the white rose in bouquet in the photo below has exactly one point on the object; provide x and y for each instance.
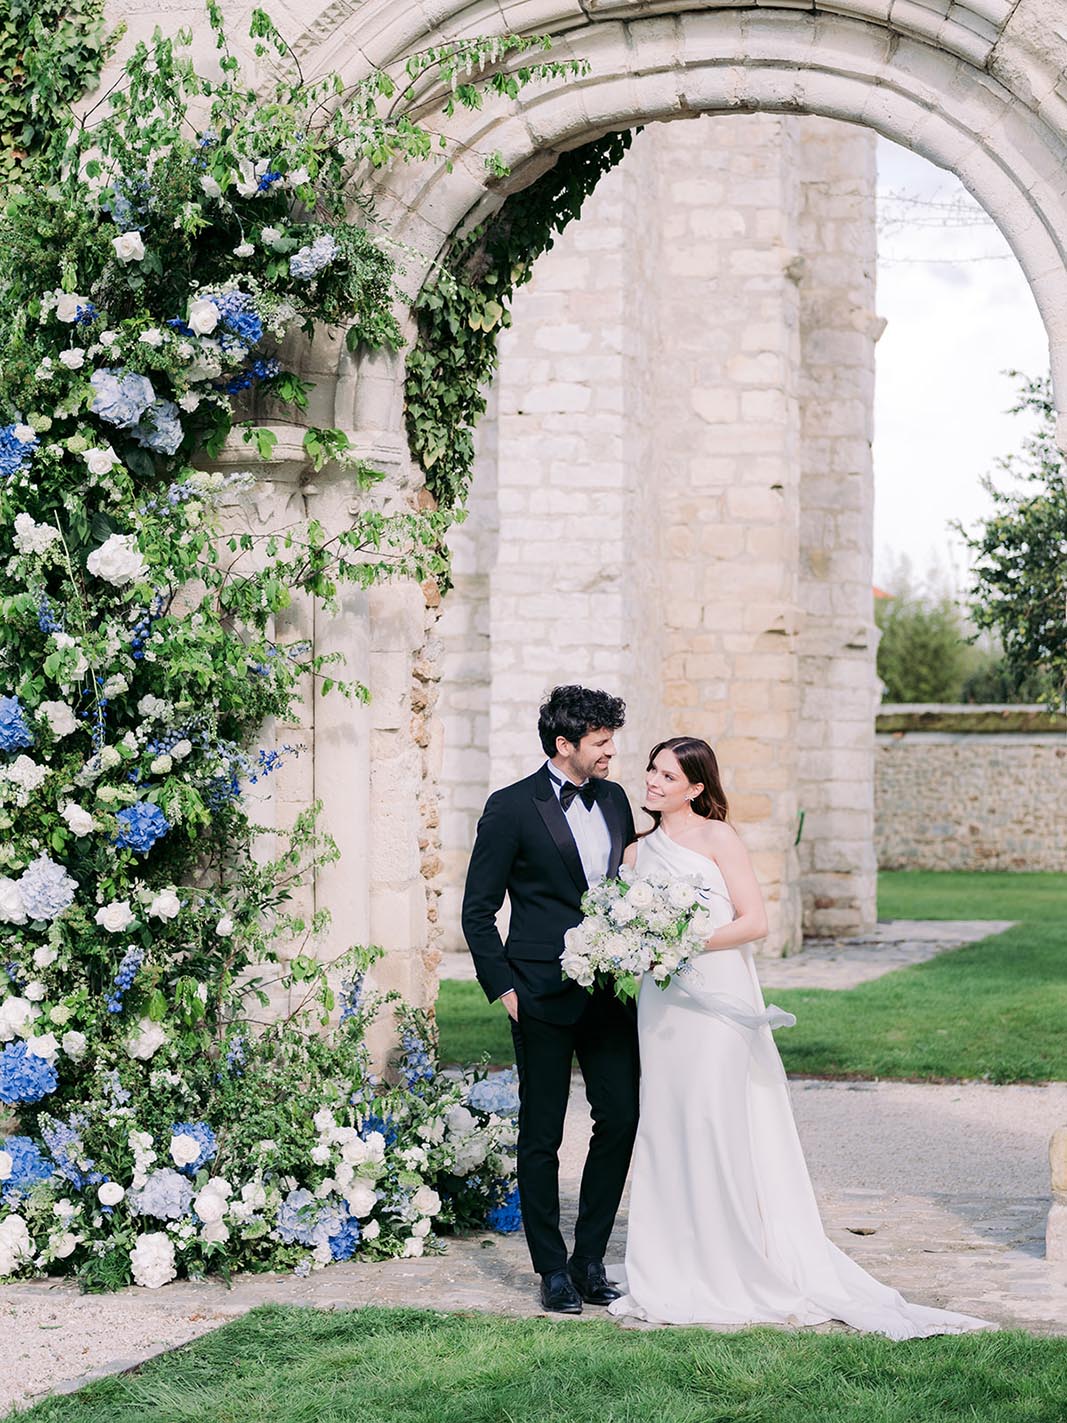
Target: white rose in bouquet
(216, 1232)
(361, 1198)
(426, 1201)
(68, 306)
(184, 1149)
(7, 1165)
(371, 1230)
(152, 1260)
(421, 1228)
(12, 909)
(75, 1045)
(16, 1015)
(203, 317)
(118, 561)
(640, 894)
(623, 911)
(63, 1245)
(210, 1202)
(165, 905)
(413, 1248)
(79, 820)
(110, 1193)
(460, 1121)
(116, 917)
(45, 1045)
(681, 895)
(101, 460)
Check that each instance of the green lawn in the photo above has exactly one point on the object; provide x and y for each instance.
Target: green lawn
(993, 1010)
(408, 1366)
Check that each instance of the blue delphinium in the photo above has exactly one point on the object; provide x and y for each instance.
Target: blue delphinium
(416, 1063)
(63, 1140)
(235, 1055)
(17, 444)
(46, 618)
(385, 1125)
(24, 1077)
(141, 825)
(121, 397)
(46, 888)
(351, 996)
(310, 260)
(497, 1094)
(14, 733)
(160, 428)
(28, 1167)
(344, 1241)
(507, 1216)
(201, 1132)
(128, 970)
(240, 326)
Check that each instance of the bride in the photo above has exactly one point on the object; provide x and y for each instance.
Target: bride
(723, 1225)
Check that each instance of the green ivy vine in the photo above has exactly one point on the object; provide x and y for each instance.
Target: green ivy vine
(51, 53)
(454, 357)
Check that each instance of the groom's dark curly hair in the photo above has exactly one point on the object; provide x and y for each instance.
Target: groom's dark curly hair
(571, 712)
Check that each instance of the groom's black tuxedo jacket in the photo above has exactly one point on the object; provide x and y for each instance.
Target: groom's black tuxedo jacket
(524, 848)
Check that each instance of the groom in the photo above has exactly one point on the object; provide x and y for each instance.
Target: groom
(542, 842)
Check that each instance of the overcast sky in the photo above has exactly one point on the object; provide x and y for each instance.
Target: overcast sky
(955, 326)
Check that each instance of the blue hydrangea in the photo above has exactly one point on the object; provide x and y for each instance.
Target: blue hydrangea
(160, 429)
(14, 733)
(310, 260)
(24, 1077)
(46, 888)
(201, 1132)
(120, 397)
(15, 454)
(303, 1220)
(343, 1243)
(506, 1217)
(141, 825)
(64, 1142)
(497, 1095)
(166, 1195)
(28, 1167)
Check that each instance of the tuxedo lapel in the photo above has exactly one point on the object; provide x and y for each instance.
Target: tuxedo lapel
(551, 813)
(610, 810)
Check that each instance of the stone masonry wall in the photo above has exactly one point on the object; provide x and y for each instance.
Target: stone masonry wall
(966, 801)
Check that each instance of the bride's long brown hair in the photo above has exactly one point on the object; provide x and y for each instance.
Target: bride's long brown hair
(698, 764)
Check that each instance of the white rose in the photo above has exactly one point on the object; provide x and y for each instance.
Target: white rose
(203, 317)
(110, 1193)
(245, 250)
(413, 1248)
(68, 305)
(116, 917)
(152, 337)
(161, 765)
(210, 1204)
(421, 1228)
(181, 749)
(152, 1260)
(73, 359)
(16, 1015)
(75, 1045)
(166, 905)
(129, 247)
(118, 560)
(371, 1230)
(45, 1046)
(361, 1198)
(146, 1041)
(16, 1247)
(79, 820)
(184, 1149)
(35, 991)
(12, 909)
(44, 955)
(65, 1245)
(224, 928)
(640, 894)
(189, 402)
(622, 911)
(681, 895)
(151, 706)
(298, 178)
(426, 1201)
(101, 460)
(108, 338)
(216, 1232)
(7, 1165)
(60, 717)
(211, 186)
(460, 1121)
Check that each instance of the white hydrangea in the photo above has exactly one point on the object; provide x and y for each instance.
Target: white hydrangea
(60, 718)
(118, 561)
(31, 537)
(25, 772)
(73, 359)
(152, 1260)
(43, 956)
(151, 706)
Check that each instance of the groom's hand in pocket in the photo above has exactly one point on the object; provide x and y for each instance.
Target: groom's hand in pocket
(510, 1001)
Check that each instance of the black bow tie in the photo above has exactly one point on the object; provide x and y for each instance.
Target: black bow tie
(568, 790)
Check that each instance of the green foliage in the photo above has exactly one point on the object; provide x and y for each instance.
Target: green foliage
(1019, 579)
(460, 314)
(51, 52)
(289, 1365)
(923, 653)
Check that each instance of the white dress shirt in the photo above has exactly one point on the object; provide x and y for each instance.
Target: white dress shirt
(589, 828)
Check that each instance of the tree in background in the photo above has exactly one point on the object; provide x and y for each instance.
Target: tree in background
(923, 655)
(1019, 553)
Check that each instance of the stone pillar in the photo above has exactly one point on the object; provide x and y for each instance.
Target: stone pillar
(1056, 1231)
(838, 331)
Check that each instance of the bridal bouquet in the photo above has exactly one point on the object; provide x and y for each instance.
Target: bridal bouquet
(633, 925)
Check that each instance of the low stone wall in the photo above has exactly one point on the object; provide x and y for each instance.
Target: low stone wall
(970, 788)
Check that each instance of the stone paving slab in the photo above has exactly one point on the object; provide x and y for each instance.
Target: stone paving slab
(947, 1185)
(842, 962)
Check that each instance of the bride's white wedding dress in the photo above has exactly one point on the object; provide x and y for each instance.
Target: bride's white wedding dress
(723, 1226)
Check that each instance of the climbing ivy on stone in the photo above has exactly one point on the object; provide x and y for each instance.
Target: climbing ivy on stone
(460, 313)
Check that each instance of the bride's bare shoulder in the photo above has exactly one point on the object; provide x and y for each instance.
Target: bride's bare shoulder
(719, 837)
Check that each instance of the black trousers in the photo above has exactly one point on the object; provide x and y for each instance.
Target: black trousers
(604, 1039)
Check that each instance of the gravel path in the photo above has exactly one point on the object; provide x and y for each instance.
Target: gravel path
(941, 1191)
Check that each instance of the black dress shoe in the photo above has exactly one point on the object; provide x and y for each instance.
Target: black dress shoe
(558, 1294)
(591, 1282)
